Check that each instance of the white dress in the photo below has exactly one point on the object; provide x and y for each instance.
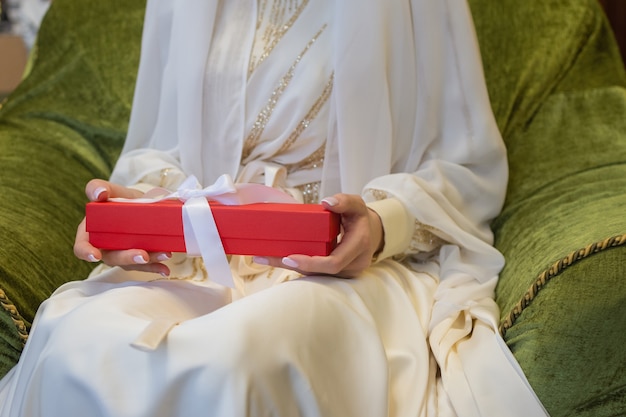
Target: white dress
(381, 98)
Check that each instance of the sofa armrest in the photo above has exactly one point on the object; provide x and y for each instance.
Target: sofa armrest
(557, 85)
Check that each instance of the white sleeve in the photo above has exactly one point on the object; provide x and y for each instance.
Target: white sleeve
(141, 160)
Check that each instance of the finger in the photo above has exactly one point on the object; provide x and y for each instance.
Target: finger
(156, 257)
(82, 248)
(268, 261)
(138, 260)
(154, 268)
(320, 266)
(126, 257)
(316, 265)
(134, 257)
(340, 259)
(344, 204)
(101, 190)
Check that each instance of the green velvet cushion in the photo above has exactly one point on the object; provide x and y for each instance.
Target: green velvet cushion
(64, 125)
(557, 89)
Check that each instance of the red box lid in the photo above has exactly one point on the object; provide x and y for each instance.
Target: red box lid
(243, 228)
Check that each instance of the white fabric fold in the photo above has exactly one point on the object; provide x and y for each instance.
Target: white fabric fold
(154, 334)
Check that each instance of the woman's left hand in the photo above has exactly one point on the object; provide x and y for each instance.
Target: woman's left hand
(362, 238)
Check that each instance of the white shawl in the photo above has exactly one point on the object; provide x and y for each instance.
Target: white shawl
(410, 116)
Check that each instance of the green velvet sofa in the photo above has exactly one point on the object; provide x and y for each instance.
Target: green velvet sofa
(558, 89)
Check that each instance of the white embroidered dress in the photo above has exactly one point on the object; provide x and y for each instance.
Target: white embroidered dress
(381, 98)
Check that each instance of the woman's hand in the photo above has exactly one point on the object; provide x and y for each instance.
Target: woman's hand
(362, 238)
(134, 259)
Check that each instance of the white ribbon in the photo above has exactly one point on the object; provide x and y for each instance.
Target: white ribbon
(199, 228)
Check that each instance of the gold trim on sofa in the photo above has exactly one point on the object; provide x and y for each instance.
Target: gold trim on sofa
(555, 270)
(18, 320)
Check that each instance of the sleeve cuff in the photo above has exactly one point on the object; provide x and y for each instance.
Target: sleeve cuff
(398, 225)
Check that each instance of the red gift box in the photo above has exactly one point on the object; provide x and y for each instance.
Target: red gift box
(261, 229)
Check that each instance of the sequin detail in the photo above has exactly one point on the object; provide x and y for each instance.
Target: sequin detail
(315, 160)
(377, 194)
(276, 27)
(425, 238)
(266, 112)
(310, 192)
(310, 116)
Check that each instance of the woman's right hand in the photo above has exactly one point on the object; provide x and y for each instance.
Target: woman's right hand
(133, 259)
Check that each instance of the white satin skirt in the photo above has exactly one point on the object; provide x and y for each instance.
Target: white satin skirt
(317, 346)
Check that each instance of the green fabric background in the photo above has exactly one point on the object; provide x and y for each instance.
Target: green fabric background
(64, 125)
(557, 88)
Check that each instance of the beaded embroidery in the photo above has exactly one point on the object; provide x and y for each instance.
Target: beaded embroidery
(272, 29)
(265, 114)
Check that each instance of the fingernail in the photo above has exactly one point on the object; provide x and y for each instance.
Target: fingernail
(164, 257)
(164, 274)
(92, 258)
(138, 259)
(260, 260)
(331, 201)
(98, 191)
(290, 263)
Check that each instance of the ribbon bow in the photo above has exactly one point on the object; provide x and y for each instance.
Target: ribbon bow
(199, 228)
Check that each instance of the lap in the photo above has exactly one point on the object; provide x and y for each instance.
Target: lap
(311, 338)
(381, 294)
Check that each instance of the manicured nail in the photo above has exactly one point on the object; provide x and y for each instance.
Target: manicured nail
(290, 263)
(164, 274)
(92, 258)
(164, 257)
(98, 191)
(138, 259)
(331, 201)
(260, 260)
